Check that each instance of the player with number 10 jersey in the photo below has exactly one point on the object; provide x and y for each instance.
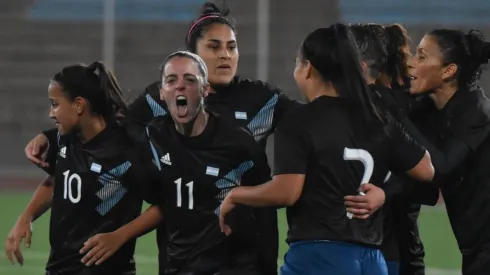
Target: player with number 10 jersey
(96, 169)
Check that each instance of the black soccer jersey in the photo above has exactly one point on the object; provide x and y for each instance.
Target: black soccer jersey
(458, 139)
(328, 141)
(254, 105)
(95, 191)
(197, 173)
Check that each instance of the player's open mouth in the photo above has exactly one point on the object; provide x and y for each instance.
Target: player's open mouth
(181, 103)
(411, 77)
(224, 67)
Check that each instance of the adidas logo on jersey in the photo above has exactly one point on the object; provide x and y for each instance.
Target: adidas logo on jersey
(63, 152)
(166, 159)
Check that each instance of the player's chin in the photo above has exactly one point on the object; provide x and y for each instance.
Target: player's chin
(223, 78)
(61, 129)
(182, 119)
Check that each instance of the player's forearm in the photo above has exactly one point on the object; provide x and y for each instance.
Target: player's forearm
(40, 201)
(145, 223)
(267, 194)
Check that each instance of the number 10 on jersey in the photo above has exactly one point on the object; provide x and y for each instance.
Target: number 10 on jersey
(68, 182)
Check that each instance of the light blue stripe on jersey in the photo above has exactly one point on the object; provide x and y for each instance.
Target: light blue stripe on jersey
(113, 190)
(261, 124)
(156, 108)
(230, 180)
(153, 151)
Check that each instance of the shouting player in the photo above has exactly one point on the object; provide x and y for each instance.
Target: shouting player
(96, 171)
(324, 151)
(201, 158)
(254, 105)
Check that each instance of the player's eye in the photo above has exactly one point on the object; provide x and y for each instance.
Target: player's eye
(170, 80)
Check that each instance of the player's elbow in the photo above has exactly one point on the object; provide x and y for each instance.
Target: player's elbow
(288, 200)
(424, 170)
(288, 188)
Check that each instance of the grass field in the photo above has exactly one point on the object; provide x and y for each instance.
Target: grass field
(442, 256)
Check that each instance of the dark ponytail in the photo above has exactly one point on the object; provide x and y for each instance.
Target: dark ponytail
(468, 51)
(96, 84)
(210, 14)
(397, 46)
(333, 53)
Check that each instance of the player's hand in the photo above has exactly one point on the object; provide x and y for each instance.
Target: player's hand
(362, 206)
(22, 229)
(37, 149)
(224, 209)
(101, 247)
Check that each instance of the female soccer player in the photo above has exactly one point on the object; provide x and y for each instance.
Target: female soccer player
(324, 151)
(254, 105)
(402, 248)
(95, 171)
(201, 157)
(456, 132)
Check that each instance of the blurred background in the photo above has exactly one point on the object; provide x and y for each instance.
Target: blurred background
(39, 37)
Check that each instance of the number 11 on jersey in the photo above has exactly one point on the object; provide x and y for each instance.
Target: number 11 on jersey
(190, 187)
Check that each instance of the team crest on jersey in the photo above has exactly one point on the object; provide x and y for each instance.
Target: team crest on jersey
(212, 171)
(95, 167)
(241, 115)
(166, 159)
(63, 152)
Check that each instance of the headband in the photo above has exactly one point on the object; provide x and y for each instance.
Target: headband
(197, 22)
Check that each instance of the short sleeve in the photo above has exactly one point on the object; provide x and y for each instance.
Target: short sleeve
(55, 141)
(146, 106)
(405, 152)
(284, 105)
(291, 149)
(144, 178)
(51, 159)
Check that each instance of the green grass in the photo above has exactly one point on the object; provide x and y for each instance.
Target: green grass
(441, 248)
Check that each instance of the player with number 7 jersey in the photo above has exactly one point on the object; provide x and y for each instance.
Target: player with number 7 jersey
(324, 151)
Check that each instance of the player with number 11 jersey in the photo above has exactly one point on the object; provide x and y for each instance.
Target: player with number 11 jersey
(197, 170)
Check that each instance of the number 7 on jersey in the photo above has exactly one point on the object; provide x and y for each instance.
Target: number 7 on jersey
(368, 162)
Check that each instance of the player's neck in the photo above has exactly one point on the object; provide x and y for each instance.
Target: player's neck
(91, 128)
(321, 89)
(384, 80)
(442, 95)
(194, 127)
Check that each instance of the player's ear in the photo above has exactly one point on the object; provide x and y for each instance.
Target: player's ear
(206, 89)
(309, 69)
(364, 68)
(79, 105)
(161, 94)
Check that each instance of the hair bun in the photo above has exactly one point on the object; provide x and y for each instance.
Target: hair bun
(479, 49)
(209, 8)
